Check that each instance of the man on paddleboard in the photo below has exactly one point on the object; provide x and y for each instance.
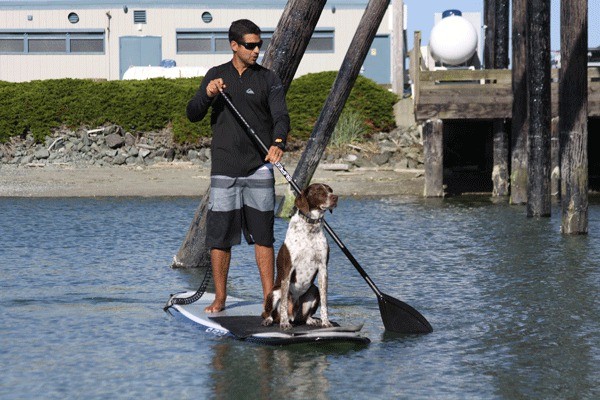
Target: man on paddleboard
(242, 188)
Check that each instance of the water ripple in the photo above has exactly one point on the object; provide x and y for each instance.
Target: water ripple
(514, 305)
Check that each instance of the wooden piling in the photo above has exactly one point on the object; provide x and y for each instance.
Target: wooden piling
(398, 48)
(489, 23)
(433, 150)
(520, 114)
(538, 65)
(496, 57)
(555, 160)
(290, 39)
(573, 113)
(193, 252)
(500, 178)
(496, 15)
(342, 86)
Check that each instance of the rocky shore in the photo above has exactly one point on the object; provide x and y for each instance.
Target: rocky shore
(109, 161)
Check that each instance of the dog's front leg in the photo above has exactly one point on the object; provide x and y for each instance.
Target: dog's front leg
(323, 295)
(284, 319)
(271, 305)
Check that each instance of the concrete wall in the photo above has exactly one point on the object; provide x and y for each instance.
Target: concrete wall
(161, 21)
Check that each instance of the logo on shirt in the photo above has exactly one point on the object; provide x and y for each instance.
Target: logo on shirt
(249, 91)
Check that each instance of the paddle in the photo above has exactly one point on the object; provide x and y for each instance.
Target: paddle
(397, 316)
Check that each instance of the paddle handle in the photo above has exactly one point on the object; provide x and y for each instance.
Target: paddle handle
(298, 191)
(353, 260)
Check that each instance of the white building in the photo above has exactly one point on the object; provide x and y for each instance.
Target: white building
(101, 39)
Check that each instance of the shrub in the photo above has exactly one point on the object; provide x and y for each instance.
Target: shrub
(39, 107)
(373, 103)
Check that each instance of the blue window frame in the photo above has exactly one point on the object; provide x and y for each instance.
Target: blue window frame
(52, 42)
(190, 41)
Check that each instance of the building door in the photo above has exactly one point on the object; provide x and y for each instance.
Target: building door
(377, 64)
(139, 51)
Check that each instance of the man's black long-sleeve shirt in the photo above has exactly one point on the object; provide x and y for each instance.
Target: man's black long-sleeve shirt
(259, 96)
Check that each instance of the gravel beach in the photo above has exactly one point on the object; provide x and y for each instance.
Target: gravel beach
(185, 179)
(108, 161)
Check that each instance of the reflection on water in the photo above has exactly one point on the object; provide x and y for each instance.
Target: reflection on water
(514, 305)
(274, 372)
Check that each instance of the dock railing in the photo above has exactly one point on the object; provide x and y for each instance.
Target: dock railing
(476, 93)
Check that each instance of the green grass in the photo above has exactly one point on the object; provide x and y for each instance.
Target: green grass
(349, 129)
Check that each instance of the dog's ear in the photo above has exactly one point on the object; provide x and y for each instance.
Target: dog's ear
(301, 202)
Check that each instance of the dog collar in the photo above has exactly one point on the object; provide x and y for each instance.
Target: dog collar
(309, 219)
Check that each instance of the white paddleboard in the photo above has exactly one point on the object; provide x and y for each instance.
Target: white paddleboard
(241, 320)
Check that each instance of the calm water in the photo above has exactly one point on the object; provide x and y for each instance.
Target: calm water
(515, 306)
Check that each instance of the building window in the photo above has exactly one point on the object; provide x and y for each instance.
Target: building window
(80, 42)
(85, 43)
(40, 43)
(12, 43)
(139, 16)
(73, 18)
(204, 41)
(321, 42)
(222, 43)
(194, 45)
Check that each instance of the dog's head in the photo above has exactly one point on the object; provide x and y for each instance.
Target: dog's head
(316, 197)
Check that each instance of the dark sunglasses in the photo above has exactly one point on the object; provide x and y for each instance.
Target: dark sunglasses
(251, 46)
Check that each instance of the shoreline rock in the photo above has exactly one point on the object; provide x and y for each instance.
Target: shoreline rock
(112, 146)
(82, 163)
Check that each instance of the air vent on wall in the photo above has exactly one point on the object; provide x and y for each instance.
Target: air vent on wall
(73, 18)
(207, 17)
(139, 16)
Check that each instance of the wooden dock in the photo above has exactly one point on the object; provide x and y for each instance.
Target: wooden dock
(477, 94)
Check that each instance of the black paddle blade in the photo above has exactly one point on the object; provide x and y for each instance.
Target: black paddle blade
(399, 317)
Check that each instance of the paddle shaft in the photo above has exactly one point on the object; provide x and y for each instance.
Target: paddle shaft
(298, 191)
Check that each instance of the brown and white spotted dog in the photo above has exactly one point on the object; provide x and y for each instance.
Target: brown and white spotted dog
(303, 255)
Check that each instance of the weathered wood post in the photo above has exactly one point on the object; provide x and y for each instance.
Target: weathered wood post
(496, 57)
(555, 157)
(489, 23)
(290, 39)
(496, 15)
(538, 65)
(573, 115)
(283, 56)
(398, 50)
(433, 151)
(415, 66)
(332, 109)
(193, 252)
(500, 174)
(520, 113)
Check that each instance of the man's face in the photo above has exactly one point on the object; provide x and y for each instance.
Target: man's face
(247, 55)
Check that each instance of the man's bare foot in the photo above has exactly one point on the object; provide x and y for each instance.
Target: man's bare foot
(215, 307)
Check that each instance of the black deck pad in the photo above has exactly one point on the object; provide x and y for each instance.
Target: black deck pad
(247, 325)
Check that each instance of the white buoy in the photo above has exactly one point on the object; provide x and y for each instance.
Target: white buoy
(453, 40)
